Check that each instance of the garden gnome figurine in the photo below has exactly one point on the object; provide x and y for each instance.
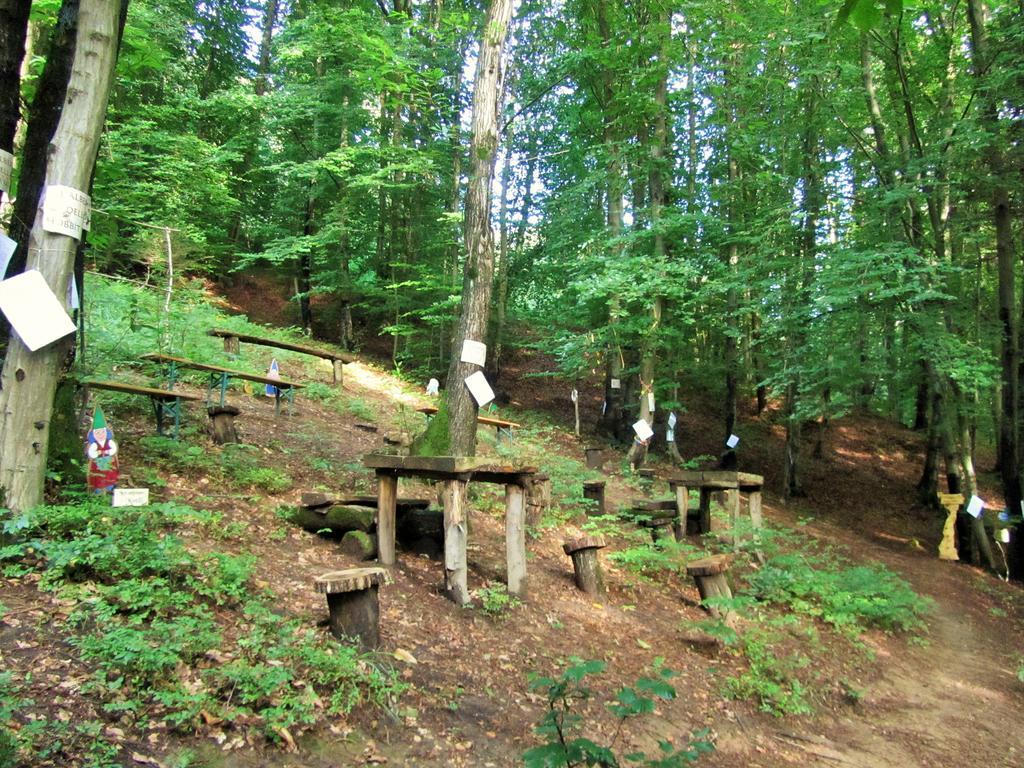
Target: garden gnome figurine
(101, 451)
(273, 373)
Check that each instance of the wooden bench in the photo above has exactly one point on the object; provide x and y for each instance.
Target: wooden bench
(165, 402)
(233, 338)
(220, 376)
(454, 472)
(502, 426)
(353, 603)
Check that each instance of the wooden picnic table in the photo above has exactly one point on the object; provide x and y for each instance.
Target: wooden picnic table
(165, 402)
(454, 473)
(710, 481)
(501, 425)
(220, 376)
(233, 338)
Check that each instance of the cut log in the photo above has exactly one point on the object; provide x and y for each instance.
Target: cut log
(709, 574)
(337, 519)
(538, 498)
(222, 424)
(585, 564)
(595, 492)
(353, 603)
(595, 457)
(359, 545)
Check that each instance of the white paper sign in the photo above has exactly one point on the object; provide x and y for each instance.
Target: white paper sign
(479, 388)
(616, 384)
(66, 211)
(72, 297)
(131, 497)
(975, 507)
(1004, 535)
(574, 396)
(474, 352)
(7, 248)
(604, 406)
(33, 310)
(732, 442)
(433, 386)
(670, 435)
(672, 420)
(650, 402)
(643, 430)
(6, 169)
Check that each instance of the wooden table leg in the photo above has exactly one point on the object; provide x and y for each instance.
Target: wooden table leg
(515, 540)
(732, 501)
(705, 510)
(456, 571)
(339, 373)
(387, 496)
(756, 520)
(682, 510)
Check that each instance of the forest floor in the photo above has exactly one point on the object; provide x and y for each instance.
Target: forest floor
(949, 695)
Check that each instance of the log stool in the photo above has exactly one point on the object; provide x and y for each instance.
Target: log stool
(585, 565)
(709, 573)
(595, 457)
(660, 528)
(353, 604)
(595, 492)
(222, 423)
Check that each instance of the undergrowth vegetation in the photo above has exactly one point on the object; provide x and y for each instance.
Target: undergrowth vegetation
(177, 638)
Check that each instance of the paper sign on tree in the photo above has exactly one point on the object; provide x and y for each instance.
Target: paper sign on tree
(643, 430)
(130, 497)
(72, 297)
(732, 442)
(616, 384)
(650, 402)
(7, 248)
(479, 388)
(1004, 535)
(474, 352)
(975, 507)
(35, 313)
(574, 396)
(66, 211)
(6, 169)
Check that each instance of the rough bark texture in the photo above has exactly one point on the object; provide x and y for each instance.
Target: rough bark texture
(479, 269)
(29, 379)
(13, 30)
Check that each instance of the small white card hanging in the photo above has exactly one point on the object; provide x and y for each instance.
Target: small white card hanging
(6, 170)
(7, 248)
(574, 396)
(34, 311)
(732, 442)
(616, 384)
(975, 507)
(72, 297)
(604, 407)
(66, 211)
(672, 419)
(650, 402)
(130, 497)
(433, 386)
(643, 430)
(1004, 535)
(479, 388)
(474, 352)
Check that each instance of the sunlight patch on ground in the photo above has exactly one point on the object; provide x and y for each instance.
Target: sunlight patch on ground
(382, 383)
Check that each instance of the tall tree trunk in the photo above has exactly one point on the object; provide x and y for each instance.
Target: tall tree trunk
(29, 379)
(270, 9)
(479, 269)
(13, 32)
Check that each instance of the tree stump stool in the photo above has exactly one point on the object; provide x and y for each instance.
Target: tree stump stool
(585, 565)
(595, 457)
(709, 573)
(660, 527)
(353, 603)
(222, 423)
(595, 492)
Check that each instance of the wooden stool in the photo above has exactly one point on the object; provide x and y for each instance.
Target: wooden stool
(595, 492)
(222, 423)
(353, 604)
(660, 527)
(595, 457)
(709, 573)
(585, 565)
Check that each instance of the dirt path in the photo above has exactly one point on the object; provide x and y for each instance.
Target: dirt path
(952, 701)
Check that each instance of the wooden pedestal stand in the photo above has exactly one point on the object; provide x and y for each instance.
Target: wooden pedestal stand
(353, 603)
(586, 567)
(222, 423)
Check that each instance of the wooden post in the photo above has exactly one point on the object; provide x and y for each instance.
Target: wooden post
(756, 520)
(387, 496)
(353, 603)
(453, 494)
(339, 372)
(682, 510)
(515, 540)
(231, 345)
(732, 502)
(705, 510)
(595, 491)
(585, 564)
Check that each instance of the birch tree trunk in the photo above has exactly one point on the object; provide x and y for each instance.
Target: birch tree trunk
(29, 379)
(479, 269)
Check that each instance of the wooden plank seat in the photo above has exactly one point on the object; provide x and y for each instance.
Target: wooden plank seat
(219, 376)
(232, 339)
(165, 402)
(454, 472)
(501, 426)
(353, 602)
